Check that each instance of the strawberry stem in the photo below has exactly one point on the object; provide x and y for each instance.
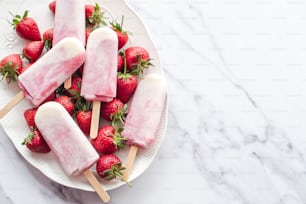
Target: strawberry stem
(9, 72)
(17, 18)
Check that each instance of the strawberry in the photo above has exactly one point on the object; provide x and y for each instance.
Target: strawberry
(109, 140)
(83, 119)
(11, 67)
(87, 33)
(74, 90)
(36, 143)
(109, 167)
(114, 111)
(126, 83)
(93, 15)
(120, 63)
(52, 6)
(48, 38)
(26, 27)
(121, 34)
(137, 59)
(32, 50)
(66, 102)
(29, 115)
(126, 86)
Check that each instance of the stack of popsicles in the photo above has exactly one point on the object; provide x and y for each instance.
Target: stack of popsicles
(66, 140)
(70, 146)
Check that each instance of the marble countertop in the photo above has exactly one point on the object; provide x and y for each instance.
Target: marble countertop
(236, 72)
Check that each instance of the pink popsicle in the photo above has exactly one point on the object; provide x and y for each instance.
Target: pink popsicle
(65, 138)
(69, 20)
(100, 68)
(68, 143)
(51, 70)
(100, 71)
(48, 73)
(145, 111)
(144, 115)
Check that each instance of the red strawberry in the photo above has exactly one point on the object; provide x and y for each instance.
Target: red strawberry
(74, 90)
(109, 167)
(120, 63)
(52, 6)
(29, 115)
(126, 85)
(36, 143)
(66, 102)
(26, 27)
(87, 33)
(48, 38)
(137, 58)
(121, 34)
(108, 140)
(11, 67)
(93, 15)
(32, 50)
(114, 111)
(83, 119)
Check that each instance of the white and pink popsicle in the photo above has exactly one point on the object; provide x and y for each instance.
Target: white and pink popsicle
(69, 20)
(65, 138)
(48, 73)
(100, 68)
(51, 70)
(144, 115)
(99, 82)
(67, 141)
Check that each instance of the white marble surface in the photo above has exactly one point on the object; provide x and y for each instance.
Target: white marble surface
(236, 71)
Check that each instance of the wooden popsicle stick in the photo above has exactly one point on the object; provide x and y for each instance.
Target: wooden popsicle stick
(96, 185)
(11, 104)
(95, 118)
(130, 162)
(67, 83)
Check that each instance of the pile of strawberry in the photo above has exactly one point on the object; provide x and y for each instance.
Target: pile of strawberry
(132, 61)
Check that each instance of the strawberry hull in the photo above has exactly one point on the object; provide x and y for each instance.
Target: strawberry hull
(51, 70)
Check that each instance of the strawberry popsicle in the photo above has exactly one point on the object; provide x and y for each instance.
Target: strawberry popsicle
(48, 72)
(69, 20)
(65, 138)
(144, 115)
(51, 70)
(100, 68)
(67, 141)
(100, 71)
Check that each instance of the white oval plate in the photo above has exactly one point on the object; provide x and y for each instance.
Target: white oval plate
(14, 123)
